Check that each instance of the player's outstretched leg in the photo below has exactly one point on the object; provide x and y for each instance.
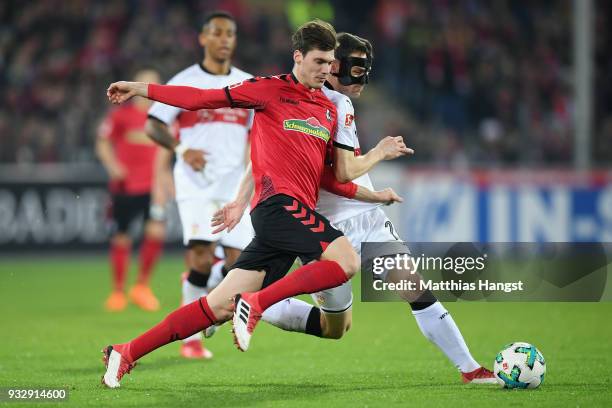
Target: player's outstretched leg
(338, 264)
(217, 307)
(437, 325)
(183, 322)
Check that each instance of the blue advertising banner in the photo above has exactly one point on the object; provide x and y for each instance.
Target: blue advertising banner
(507, 207)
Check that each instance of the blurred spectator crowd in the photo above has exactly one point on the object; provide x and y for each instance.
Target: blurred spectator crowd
(467, 82)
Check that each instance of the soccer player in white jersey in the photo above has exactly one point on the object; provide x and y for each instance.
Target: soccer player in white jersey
(364, 222)
(211, 155)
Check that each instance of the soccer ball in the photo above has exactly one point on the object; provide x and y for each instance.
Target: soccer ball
(520, 365)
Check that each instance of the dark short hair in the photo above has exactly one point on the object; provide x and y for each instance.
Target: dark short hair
(216, 14)
(350, 43)
(315, 34)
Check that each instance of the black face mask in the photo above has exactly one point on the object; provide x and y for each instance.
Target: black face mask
(346, 64)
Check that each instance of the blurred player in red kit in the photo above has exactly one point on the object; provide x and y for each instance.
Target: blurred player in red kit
(135, 167)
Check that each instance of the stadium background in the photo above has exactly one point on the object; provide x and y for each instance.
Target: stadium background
(509, 117)
(471, 85)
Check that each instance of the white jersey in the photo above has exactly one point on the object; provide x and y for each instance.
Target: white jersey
(331, 206)
(221, 133)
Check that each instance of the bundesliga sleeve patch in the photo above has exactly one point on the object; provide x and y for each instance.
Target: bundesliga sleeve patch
(348, 120)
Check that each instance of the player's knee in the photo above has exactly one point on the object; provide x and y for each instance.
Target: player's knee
(121, 239)
(350, 264)
(155, 230)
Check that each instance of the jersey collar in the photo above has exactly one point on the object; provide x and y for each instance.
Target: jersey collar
(304, 88)
(328, 85)
(203, 68)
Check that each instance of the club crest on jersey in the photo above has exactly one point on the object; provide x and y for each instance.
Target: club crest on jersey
(310, 126)
(328, 115)
(348, 120)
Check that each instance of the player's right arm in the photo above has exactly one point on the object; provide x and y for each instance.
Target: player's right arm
(252, 93)
(105, 151)
(160, 133)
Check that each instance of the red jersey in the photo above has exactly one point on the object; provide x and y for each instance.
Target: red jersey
(291, 129)
(124, 127)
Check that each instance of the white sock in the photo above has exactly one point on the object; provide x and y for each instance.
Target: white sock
(289, 314)
(191, 293)
(438, 326)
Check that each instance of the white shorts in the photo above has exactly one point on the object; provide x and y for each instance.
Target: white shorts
(196, 215)
(370, 226)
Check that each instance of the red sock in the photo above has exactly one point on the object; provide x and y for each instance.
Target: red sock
(120, 258)
(149, 253)
(309, 278)
(180, 324)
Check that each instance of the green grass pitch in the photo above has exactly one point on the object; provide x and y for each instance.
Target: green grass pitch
(53, 327)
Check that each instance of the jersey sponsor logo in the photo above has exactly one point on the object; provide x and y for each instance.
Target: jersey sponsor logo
(348, 120)
(310, 126)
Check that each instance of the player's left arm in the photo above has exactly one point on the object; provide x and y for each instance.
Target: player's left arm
(348, 166)
(253, 93)
(357, 192)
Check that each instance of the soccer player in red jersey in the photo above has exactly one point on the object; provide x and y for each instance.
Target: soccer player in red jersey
(293, 124)
(129, 157)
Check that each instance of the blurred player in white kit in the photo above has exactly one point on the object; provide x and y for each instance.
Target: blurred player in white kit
(211, 155)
